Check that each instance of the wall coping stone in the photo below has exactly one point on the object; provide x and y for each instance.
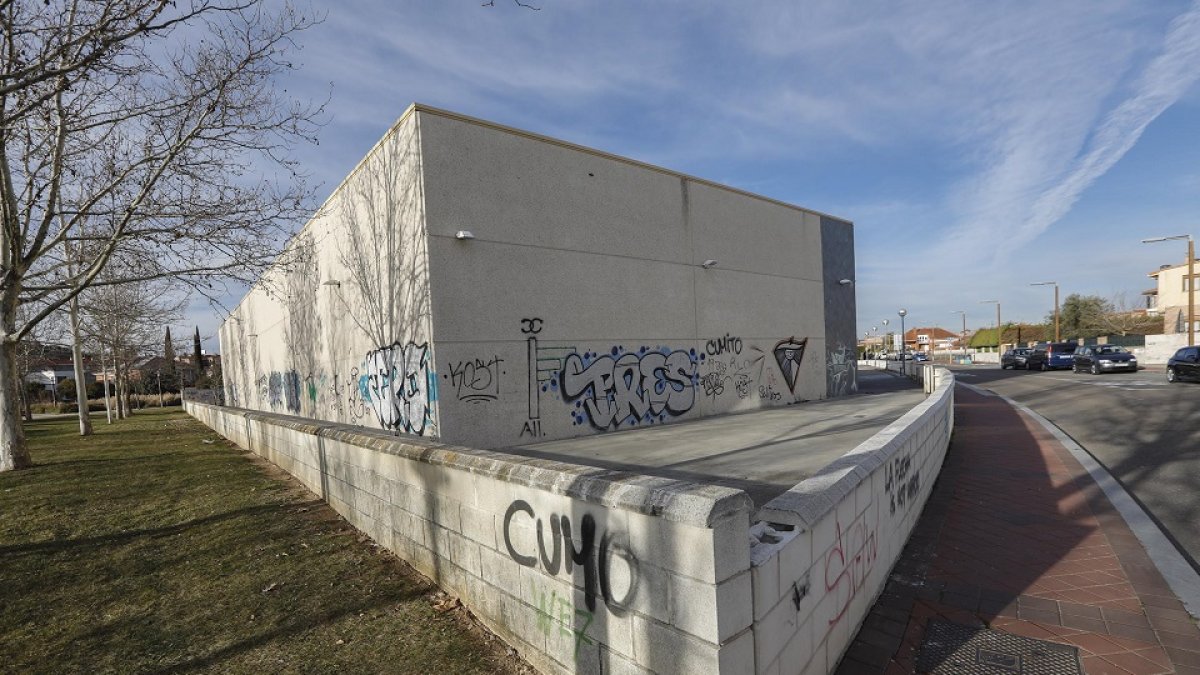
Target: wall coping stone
(809, 500)
(679, 501)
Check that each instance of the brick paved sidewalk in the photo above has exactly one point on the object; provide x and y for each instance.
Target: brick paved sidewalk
(1018, 538)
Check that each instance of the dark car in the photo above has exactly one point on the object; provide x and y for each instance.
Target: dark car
(1014, 358)
(1051, 356)
(1096, 359)
(1184, 365)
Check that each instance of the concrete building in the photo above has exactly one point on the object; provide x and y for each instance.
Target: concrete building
(490, 287)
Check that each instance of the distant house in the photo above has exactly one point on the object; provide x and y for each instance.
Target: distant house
(150, 369)
(54, 364)
(929, 339)
(1169, 298)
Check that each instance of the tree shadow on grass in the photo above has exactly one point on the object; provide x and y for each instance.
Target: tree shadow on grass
(294, 625)
(117, 538)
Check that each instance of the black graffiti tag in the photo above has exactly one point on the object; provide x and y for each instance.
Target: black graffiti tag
(718, 346)
(476, 380)
(596, 562)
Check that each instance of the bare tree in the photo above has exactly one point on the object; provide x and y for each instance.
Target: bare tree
(383, 252)
(123, 320)
(31, 352)
(147, 130)
(1123, 318)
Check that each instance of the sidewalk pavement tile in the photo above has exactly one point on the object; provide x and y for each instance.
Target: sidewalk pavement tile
(1017, 537)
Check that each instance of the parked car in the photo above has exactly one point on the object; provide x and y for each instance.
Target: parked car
(1184, 365)
(1051, 356)
(1014, 358)
(920, 356)
(1096, 359)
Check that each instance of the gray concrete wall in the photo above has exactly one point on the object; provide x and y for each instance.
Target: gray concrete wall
(837, 257)
(580, 305)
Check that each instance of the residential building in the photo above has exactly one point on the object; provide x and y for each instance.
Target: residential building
(1170, 297)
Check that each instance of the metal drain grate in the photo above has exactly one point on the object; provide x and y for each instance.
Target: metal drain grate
(955, 649)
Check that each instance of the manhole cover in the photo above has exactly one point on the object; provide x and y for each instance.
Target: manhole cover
(955, 649)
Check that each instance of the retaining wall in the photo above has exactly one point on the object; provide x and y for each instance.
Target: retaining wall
(589, 570)
(840, 532)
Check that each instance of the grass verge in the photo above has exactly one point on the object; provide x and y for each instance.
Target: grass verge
(155, 546)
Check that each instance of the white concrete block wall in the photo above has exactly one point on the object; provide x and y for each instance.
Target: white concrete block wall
(655, 576)
(848, 526)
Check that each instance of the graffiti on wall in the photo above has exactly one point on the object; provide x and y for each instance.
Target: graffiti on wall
(596, 558)
(788, 354)
(399, 385)
(476, 380)
(733, 374)
(545, 363)
(848, 564)
(901, 482)
(841, 371)
(627, 387)
(728, 371)
(727, 344)
(557, 612)
(281, 390)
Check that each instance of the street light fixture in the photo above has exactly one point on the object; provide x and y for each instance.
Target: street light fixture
(903, 346)
(1057, 333)
(998, 339)
(964, 330)
(1191, 281)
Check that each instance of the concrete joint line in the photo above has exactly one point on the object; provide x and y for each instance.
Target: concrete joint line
(1179, 575)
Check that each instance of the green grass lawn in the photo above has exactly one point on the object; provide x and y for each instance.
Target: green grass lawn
(155, 546)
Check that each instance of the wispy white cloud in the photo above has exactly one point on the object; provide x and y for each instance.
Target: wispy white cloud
(953, 120)
(1045, 163)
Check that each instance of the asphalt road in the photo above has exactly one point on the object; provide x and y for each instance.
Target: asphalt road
(1145, 431)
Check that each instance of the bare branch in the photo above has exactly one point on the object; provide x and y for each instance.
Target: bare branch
(492, 3)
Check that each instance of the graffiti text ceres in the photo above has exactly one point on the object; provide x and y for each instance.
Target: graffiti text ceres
(631, 387)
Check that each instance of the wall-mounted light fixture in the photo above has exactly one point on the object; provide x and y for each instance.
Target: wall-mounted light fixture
(464, 234)
(709, 264)
(845, 282)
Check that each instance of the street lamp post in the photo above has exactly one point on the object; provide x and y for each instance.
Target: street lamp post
(1057, 333)
(903, 356)
(963, 337)
(1191, 281)
(998, 338)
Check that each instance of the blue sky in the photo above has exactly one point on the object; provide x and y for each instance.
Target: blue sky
(977, 147)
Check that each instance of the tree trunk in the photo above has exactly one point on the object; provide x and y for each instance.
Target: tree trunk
(25, 405)
(13, 452)
(104, 369)
(81, 398)
(122, 401)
